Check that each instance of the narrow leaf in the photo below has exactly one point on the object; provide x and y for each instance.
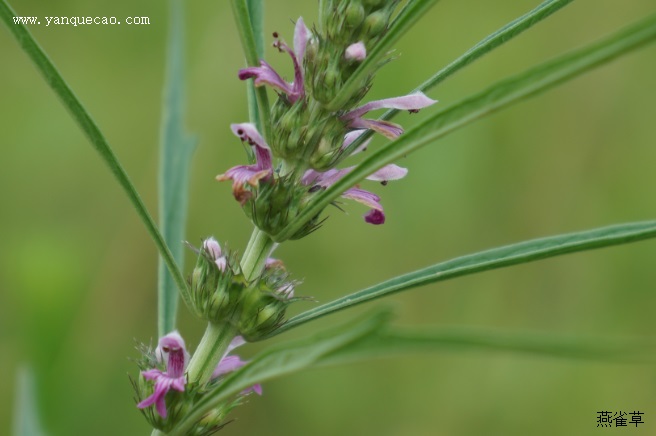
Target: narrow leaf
(176, 150)
(489, 43)
(283, 360)
(256, 13)
(396, 342)
(93, 133)
(495, 258)
(26, 416)
(408, 16)
(253, 54)
(499, 96)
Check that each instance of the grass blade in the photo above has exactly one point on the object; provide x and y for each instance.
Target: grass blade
(390, 343)
(176, 149)
(253, 53)
(26, 416)
(496, 97)
(495, 258)
(93, 133)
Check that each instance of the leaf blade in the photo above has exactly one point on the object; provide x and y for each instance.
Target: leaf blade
(495, 258)
(176, 150)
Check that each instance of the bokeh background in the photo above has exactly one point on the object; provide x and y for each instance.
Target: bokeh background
(77, 269)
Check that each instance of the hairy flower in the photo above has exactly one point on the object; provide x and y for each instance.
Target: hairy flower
(411, 102)
(212, 247)
(266, 75)
(171, 349)
(249, 174)
(328, 178)
(356, 52)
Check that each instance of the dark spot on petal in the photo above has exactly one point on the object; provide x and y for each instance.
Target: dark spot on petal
(413, 111)
(384, 183)
(166, 349)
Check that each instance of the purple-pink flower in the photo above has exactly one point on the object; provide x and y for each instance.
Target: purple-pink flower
(411, 102)
(172, 350)
(266, 75)
(251, 174)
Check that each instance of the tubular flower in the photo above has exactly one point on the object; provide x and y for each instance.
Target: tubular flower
(228, 364)
(356, 52)
(266, 75)
(411, 102)
(322, 180)
(213, 248)
(171, 348)
(251, 174)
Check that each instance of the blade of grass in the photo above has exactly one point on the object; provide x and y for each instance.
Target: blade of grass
(523, 252)
(176, 150)
(93, 133)
(26, 415)
(408, 16)
(489, 43)
(282, 360)
(396, 342)
(498, 96)
(246, 28)
(256, 13)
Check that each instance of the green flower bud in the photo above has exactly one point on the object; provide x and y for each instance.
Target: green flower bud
(375, 23)
(354, 15)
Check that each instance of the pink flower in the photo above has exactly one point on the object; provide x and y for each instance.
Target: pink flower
(172, 349)
(266, 75)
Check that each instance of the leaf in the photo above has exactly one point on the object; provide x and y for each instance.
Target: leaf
(396, 342)
(408, 16)
(282, 360)
(249, 41)
(490, 42)
(495, 258)
(498, 96)
(176, 150)
(93, 133)
(26, 416)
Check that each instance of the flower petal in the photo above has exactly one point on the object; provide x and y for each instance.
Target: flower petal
(390, 130)
(265, 75)
(365, 197)
(415, 101)
(356, 52)
(228, 364)
(388, 172)
(375, 217)
(212, 247)
(301, 34)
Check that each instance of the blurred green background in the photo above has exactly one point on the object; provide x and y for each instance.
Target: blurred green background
(77, 269)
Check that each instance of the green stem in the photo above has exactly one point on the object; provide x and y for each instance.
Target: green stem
(211, 349)
(259, 248)
(157, 433)
(217, 336)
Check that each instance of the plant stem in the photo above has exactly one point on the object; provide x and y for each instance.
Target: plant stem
(217, 336)
(211, 349)
(257, 251)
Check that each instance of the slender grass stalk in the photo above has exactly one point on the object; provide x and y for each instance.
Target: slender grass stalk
(95, 136)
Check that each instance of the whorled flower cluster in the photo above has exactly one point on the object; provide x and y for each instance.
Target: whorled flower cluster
(309, 139)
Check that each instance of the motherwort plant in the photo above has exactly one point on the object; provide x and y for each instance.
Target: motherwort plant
(297, 164)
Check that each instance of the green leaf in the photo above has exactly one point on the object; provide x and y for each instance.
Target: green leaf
(26, 416)
(408, 16)
(256, 13)
(522, 252)
(496, 97)
(249, 39)
(282, 360)
(176, 150)
(93, 133)
(396, 342)
(489, 43)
